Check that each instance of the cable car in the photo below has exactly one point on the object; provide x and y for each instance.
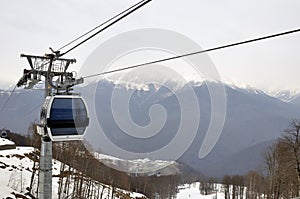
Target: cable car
(3, 134)
(65, 117)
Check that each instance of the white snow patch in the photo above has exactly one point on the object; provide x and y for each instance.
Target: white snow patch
(15, 172)
(140, 166)
(192, 191)
(4, 141)
(14, 176)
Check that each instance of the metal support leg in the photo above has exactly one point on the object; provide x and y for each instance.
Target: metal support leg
(45, 171)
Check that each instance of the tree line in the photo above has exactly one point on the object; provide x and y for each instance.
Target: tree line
(279, 177)
(282, 164)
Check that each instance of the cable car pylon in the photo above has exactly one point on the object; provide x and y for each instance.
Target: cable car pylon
(63, 116)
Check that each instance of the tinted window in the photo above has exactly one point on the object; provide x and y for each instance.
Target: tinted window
(68, 109)
(68, 116)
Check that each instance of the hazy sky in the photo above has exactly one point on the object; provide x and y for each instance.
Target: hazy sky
(32, 26)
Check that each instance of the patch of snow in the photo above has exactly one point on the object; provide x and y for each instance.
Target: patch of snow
(16, 172)
(136, 195)
(14, 176)
(140, 166)
(285, 95)
(4, 141)
(191, 191)
(245, 88)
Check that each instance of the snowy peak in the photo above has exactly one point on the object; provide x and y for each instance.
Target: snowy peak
(285, 95)
(246, 89)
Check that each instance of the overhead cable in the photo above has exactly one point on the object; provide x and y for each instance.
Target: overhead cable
(195, 53)
(130, 11)
(98, 26)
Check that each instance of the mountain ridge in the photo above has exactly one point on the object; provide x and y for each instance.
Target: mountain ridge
(252, 117)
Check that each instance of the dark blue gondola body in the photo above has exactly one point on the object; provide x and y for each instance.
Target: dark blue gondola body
(66, 117)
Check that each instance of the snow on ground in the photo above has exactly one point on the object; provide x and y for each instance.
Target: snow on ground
(16, 171)
(143, 166)
(4, 141)
(136, 195)
(16, 167)
(191, 191)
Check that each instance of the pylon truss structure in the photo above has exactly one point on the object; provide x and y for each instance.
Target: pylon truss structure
(54, 71)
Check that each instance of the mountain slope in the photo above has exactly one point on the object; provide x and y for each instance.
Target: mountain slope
(16, 167)
(252, 117)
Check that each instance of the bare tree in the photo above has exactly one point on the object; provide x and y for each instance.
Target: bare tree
(226, 181)
(282, 163)
(292, 142)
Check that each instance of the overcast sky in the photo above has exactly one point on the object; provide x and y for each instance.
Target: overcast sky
(32, 26)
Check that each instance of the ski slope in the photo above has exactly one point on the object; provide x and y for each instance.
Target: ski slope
(191, 191)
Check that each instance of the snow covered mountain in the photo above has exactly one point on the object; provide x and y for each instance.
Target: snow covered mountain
(285, 95)
(292, 97)
(254, 119)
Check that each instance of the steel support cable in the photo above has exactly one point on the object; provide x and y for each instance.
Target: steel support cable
(33, 109)
(98, 26)
(6, 102)
(107, 26)
(197, 52)
(180, 56)
(126, 12)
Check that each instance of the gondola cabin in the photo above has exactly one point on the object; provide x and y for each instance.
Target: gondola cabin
(3, 134)
(65, 117)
